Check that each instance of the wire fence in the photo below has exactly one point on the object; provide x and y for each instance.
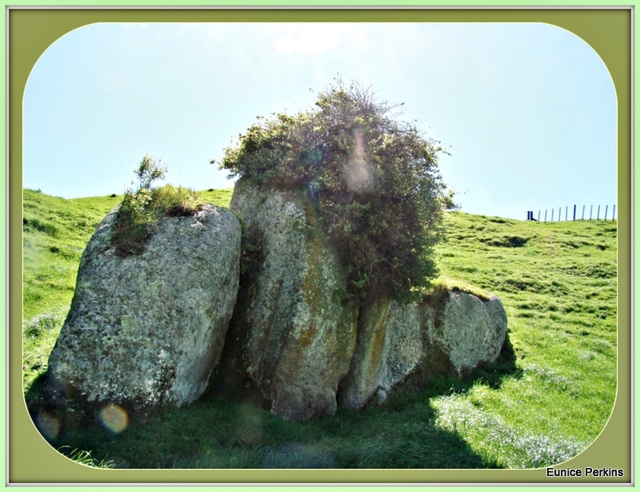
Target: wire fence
(573, 214)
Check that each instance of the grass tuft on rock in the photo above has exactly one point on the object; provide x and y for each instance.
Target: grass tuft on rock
(141, 210)
(445, 284)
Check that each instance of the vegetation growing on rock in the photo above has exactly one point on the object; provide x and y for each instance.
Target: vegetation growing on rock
(374, 180)
(141, 209)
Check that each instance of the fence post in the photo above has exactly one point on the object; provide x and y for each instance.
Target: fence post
(583, 211)
(613, 216)
(539, 214)
(545, 214)
(598, 213)
(552, 210)
(574, 212)
(606, 209)
(566, 212)
(591, 212)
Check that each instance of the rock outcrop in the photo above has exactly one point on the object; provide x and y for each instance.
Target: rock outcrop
(146, 331)
(267, 323)
(296, 347)
(291, 339)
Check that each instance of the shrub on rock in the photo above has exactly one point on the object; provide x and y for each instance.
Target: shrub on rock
(140, 210)
(373, 179)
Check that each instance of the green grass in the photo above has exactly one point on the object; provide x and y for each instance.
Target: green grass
(540, 406)
(558, 285)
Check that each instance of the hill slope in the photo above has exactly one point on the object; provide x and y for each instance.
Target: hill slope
(557, 282)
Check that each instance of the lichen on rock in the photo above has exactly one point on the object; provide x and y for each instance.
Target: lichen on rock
(402, 346)
(299, 347)
(389, 346)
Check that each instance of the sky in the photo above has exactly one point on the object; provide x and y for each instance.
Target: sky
(527, 111)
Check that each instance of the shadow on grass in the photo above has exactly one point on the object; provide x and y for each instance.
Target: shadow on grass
(215, 433)
(494, 373)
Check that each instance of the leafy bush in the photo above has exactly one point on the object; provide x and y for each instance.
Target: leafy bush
(374, 180)
(140, 211)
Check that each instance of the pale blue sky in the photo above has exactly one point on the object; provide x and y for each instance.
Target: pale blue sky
(527, 111)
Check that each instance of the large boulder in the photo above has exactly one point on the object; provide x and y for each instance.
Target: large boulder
(468, 330)
(459, 332)
(146, 331)
(292, 338)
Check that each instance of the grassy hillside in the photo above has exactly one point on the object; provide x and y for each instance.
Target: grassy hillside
(556, 280)
(558, 285)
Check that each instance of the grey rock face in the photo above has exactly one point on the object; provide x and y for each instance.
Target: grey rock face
(401, 346)
(291, 338)
(459, 332)
(146, 331)
(389, 346)
(469, 331)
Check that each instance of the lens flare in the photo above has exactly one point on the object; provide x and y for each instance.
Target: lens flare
(357, 173)
(114, 418)
(47, 424)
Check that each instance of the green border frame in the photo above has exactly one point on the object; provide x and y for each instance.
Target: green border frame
(30, 30)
